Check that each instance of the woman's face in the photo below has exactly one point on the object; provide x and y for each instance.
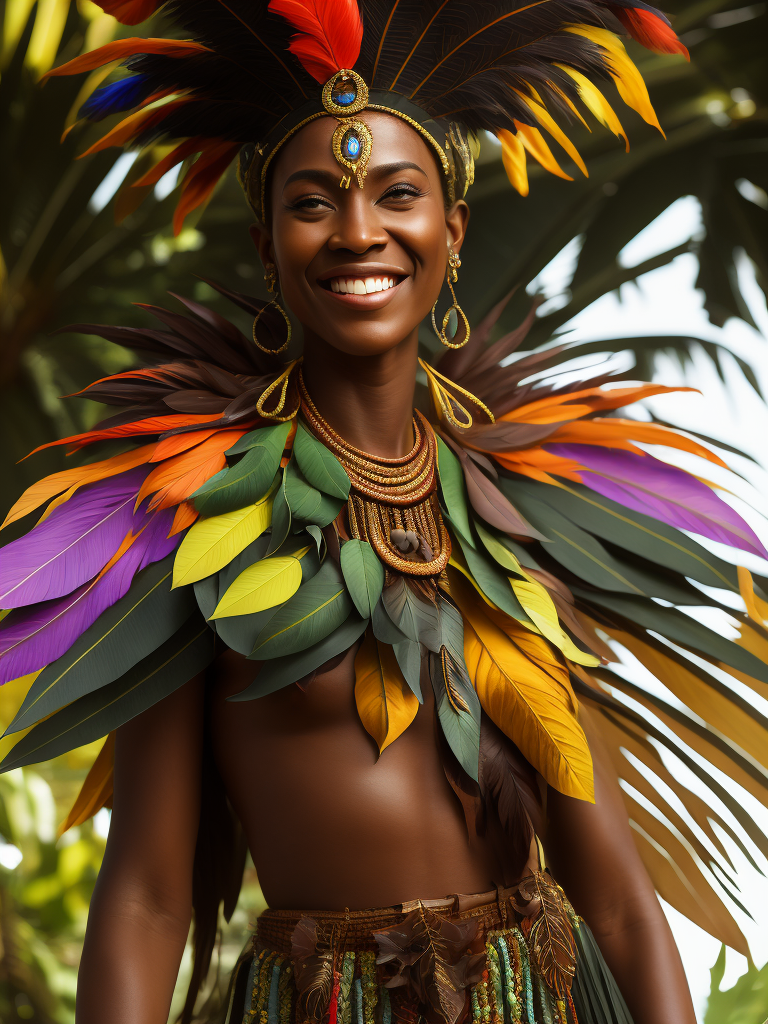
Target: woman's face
(360, 267)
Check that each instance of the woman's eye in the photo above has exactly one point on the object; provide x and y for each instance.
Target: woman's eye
(311, 203)
(400, 192)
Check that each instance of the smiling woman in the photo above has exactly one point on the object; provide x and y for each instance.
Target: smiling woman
(348, 634)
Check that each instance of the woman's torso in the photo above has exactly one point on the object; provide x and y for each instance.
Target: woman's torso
(331, 824)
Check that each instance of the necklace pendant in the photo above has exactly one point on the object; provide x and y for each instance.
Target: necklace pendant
(411, 539)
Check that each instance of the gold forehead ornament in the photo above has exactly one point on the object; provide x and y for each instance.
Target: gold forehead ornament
(344, 95)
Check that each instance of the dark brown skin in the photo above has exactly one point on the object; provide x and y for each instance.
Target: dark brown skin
(329, 823)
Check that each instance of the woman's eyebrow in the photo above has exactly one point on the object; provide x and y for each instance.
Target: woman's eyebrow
(330, 178)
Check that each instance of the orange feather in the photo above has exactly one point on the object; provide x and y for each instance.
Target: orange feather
(96, 791)
(650, 31)
(119, 49)
(186, 514)
(130, 12)
(201, 179)
(175, 479)
(150, 425)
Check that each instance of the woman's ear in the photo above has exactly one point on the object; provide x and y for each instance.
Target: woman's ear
(263, 242)
(456, 221)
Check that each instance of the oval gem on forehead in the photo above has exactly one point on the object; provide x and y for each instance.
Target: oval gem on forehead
(350, 145)
(344, 92)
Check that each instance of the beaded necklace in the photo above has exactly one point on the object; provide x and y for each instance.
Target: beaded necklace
(392, 503)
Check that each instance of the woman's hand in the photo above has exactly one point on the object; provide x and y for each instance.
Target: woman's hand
(142, 904)
(593, 856)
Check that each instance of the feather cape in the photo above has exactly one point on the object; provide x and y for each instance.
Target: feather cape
(570, 544)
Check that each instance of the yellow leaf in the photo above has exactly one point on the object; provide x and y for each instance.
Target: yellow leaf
(529, 705)
(629, 81)
(262, 585)
(513, 158)
(541, 609)
(12, 696)
(213, 542)
(96, 791)
(594, 100)
(385, 702)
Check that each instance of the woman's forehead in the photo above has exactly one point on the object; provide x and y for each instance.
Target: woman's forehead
(394, 143)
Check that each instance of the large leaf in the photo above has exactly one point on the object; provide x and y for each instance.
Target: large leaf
(452, 489)
(493, 584)
(385, 703)
(279, 672)
(415, 617)
(281, 517)
(458, 709)
(263, 585)
(211, 543)
(533, 707)
(130, 630)
(320, 467)
(249, 480)
(188, 652)
(307, 503)
(315, 610)
(363, 574)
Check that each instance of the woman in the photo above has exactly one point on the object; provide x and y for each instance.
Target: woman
(431, 759)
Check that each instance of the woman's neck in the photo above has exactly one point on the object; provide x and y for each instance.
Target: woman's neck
(368, 400)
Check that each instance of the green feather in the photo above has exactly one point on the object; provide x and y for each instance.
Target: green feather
(92, 716)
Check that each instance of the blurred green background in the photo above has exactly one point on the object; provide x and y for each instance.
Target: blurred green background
(70, 252)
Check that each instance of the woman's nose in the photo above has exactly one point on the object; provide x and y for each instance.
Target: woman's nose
(358, 227)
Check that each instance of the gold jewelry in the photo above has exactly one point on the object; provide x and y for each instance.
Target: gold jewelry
(392, 503)
(278, 413)
(447, 406)
(270, 276)
(462, 324)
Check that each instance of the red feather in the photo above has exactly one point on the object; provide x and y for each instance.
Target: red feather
(119, 49)
(329, 33)
(130, 12)
(650, 31)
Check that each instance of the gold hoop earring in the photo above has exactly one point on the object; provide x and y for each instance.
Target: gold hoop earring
(270, 276)
(462, 324)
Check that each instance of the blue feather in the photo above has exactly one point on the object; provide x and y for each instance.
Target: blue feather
(111, 99)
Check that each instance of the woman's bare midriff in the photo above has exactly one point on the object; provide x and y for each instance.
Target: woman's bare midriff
(331, 824)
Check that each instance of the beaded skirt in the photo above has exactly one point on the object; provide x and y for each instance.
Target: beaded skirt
(475, 959)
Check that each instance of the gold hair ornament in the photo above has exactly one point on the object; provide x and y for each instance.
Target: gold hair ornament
(461, 337)
(270, 276)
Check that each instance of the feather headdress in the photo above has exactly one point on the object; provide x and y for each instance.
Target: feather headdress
(250, 74)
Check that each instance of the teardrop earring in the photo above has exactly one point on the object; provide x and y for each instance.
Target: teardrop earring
(461, 334)
(270, 276)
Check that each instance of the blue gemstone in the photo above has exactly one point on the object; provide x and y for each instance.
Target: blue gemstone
(344, 92)
(350, 145)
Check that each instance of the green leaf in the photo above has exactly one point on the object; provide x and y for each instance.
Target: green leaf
(453, 489)
(408, 655)
(248, 480)
(315, 610)
(363, 574)
(458, 710)
(281, 518)
(306, 503)
(498, 550)
(417, 618)
(188, 652)
(134, 626)
(320, 467)
(280, 672)
(633, 531)
(680, 629)
(493, 583)
(207, 595)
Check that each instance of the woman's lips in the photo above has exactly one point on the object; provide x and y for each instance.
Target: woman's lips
(370, 292)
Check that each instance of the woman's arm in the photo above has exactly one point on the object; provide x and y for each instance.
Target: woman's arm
(141, 907)
(593, 856)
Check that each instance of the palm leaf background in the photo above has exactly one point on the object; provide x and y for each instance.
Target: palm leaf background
(64, 259)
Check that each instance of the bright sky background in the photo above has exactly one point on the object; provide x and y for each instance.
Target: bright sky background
(666, 302)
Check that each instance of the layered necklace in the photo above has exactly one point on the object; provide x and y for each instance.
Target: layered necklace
(392, 502)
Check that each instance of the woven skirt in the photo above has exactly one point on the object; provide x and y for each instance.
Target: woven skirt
(518, 956)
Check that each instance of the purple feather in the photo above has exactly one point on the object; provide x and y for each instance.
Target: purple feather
(647, 485)
(32, 638)
(69, 547)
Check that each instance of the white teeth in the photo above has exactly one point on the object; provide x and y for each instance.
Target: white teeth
(361, 286)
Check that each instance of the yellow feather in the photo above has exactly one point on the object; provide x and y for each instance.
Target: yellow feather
(594, 100)
(513, 158)
(213, 542)
(526, 703)
(96, 791)
(385, 703)
(533, 141)
(541, 608)
(545, 119)
(629, 81)
(263, 585)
